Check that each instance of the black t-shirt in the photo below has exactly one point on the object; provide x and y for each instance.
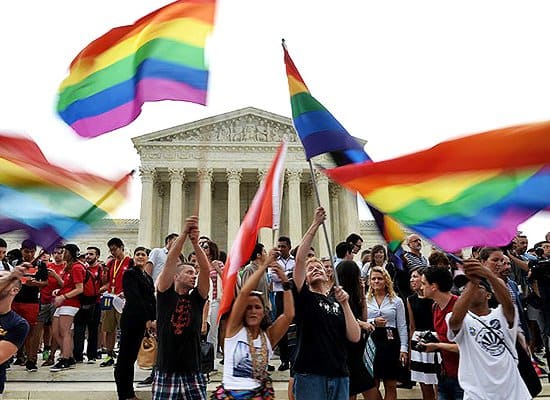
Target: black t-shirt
(14, 329)
(422, 312)
(321, 334)
(30, 294)
(179, 320)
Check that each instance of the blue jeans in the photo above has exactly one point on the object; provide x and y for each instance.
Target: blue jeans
(317, 387)
(449, 389)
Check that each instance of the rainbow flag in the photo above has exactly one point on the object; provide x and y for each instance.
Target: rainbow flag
(159, 57)
(471, 191)
(321, 133)
(47, 202)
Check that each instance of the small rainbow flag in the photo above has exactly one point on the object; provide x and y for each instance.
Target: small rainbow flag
(321, 133)
(47, 202)
(471, 191)
(159, 57)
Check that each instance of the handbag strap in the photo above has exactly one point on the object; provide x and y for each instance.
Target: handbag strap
(500, 340)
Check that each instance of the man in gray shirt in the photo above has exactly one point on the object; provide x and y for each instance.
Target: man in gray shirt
(158, 255)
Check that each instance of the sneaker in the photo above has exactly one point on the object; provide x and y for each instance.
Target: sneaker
(539, 360)
(146, 382)
(48, 363)
(108, 362)
(31, 366)
(60, 365)
(91, 361)
(270, 368)
(71, 362)
(283, 367)
(20, 361)
(45, 354)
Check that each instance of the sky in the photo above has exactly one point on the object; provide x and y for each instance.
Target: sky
(403, 75)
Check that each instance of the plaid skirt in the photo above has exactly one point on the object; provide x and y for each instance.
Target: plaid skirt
(174, 386)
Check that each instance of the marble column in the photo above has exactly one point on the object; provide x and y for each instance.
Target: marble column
(349, 218)
(233, 204)
(294, 177)
(205, 203)
(337, 234)
(265, 235)
(324, 197)
(176, 200)
(145, 233)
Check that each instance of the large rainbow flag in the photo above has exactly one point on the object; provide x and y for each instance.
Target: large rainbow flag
(471, 191)
(321, 133)
(159, 57)
(47, 202)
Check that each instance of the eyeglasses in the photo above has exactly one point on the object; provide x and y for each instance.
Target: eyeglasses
(205, 246)
(416, 240)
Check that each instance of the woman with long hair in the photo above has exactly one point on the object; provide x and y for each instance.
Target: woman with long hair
(139, 314)
(211, 250)
(386, 312)
(67, 305)
(423, 364)
(360, 381)
(249, 338)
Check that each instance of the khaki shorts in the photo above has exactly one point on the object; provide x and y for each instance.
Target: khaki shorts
(110, 320)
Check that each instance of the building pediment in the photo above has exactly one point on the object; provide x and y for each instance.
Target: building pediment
(247, 125)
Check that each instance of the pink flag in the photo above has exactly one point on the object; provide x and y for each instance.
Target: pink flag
(264, 212)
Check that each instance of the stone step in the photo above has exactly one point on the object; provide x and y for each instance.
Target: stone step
(88, 381)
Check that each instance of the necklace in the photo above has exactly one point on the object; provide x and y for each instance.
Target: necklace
(259, 360)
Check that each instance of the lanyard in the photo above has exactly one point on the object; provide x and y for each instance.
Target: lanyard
(116, 268)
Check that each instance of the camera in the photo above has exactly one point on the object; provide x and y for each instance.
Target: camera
(540, 268)
(423, 338)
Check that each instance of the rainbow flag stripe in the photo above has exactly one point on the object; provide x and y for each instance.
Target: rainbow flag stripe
(159, 57)
(47, 202)
(318, 130)
(471, 191)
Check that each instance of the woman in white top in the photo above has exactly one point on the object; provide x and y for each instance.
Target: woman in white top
(386, 312)
(249, 338)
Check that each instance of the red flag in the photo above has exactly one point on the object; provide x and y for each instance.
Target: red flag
(264, 212)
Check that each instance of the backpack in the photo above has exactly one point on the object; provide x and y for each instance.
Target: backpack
(91, 289)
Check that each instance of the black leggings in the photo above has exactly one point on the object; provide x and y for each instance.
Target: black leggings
(131, 334)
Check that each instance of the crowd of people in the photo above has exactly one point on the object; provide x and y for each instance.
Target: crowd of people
(453, 325)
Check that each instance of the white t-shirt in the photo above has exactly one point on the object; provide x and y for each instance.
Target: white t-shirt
(237, 368)
(158, 257)
(487, 370)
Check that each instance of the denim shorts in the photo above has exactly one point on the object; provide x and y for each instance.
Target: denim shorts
(317, 387)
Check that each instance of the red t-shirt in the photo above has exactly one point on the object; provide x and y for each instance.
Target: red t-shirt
(70, 279)
(96, 271)
(46, 295)
(450, 359)
(116, 270)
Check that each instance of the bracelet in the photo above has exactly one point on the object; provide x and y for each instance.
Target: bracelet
(287, 285)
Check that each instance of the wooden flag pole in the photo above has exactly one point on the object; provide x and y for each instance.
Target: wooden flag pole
(329, 248)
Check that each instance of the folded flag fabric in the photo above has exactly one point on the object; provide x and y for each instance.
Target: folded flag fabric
(159, 57)
(471, 191)
(47, 202)
(321, 133)
(264, 212)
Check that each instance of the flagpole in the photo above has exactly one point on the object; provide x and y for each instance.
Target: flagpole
(329, 248)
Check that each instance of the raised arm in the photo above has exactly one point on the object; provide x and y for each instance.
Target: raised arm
(278, 329)
(299, 274)
(235, 320)
(166, 277)
(203, 284)
(353, 331)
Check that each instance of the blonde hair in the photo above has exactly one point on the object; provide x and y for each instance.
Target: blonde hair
(387, 281)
